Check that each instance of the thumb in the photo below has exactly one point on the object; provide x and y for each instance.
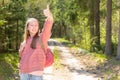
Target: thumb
(48, 6)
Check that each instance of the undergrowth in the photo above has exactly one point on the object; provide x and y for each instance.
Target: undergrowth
(9, 66)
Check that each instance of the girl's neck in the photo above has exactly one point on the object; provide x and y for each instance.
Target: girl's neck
(32, 35)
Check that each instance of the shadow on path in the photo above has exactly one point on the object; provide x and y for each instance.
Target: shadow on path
(72, 66)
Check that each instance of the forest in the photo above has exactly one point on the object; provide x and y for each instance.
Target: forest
(89, 24)
(93, 25)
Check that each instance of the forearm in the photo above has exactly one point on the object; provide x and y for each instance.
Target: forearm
(48, 24)
(46, 31)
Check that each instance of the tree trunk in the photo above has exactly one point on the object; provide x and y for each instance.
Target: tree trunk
(65, 30)
(118, 48)
(91, 23)
(17, 36)
(60, 30)
(97, 24)
(108, 47)
(3, 2)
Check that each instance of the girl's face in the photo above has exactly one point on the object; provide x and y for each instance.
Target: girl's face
(33, 27)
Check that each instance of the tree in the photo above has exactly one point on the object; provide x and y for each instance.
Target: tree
(97, 24)
(91, 23)
(118, 48)
(108, 47)
(12, 14)
(94, 22)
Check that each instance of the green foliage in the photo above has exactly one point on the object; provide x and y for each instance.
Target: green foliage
(12, 15)
(9, 66)
(57, 59)
(2, 22)
(99, 57)
(71, 21)
(62, 40)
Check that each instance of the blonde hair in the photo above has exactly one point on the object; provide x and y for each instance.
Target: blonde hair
(27, 33)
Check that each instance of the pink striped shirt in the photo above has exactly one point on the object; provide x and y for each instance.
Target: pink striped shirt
(33, 60)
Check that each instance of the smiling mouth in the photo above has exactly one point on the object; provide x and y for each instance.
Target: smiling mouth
(34, 30)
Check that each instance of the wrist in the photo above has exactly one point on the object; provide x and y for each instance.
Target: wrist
(50, 17)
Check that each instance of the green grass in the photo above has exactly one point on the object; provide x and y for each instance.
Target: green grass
(57, 59)
(62, 40)
(100, 58)
(8, 66)
(66, 42)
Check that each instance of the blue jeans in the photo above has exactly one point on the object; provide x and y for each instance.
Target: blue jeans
(30, 77)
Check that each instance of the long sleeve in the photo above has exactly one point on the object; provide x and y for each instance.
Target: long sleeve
(46, 31)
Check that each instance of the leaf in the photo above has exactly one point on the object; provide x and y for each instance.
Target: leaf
(2, 22)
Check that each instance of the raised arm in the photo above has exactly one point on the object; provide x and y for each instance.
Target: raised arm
(46, 31)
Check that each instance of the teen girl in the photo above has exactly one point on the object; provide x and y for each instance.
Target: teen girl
(32, 55)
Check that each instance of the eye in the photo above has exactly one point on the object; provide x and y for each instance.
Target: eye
(32, 25)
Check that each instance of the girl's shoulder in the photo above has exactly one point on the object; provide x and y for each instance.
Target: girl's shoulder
(24, 41)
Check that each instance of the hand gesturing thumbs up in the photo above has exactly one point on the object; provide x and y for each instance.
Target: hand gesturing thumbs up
(47, 12)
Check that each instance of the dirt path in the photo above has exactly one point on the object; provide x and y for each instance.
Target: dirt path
(73, 69)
